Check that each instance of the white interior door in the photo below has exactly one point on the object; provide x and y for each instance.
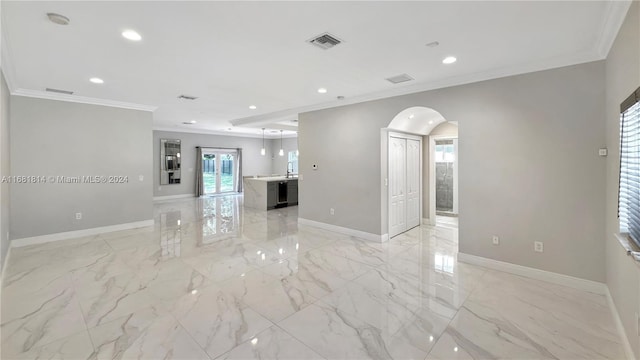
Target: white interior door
(397, 185)
(413, 183)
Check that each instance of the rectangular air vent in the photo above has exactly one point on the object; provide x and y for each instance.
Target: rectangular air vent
(399, 78)
(187, 97)
(59, 91)
(325, 41)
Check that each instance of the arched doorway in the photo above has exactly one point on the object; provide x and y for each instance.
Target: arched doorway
(405, 141)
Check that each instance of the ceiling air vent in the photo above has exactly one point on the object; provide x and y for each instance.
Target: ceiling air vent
(325, 41)
(187, 97)
(399, 78)
(59, 91)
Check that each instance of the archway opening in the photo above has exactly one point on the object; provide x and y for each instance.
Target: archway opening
(441, 200)
(405, 167)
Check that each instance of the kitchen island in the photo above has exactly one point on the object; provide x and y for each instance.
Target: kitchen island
(266, 193)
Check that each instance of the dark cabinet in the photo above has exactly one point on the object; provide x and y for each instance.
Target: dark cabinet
(272, 194)
(282, 193)
(292, 192)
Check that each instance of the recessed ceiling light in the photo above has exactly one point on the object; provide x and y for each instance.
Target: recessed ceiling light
(131, 35)
(411, 116)
(252, 107)
(58, 19)
(449, 60)
(96, 80)
(192, 122)
(430, 122)
(322, 91)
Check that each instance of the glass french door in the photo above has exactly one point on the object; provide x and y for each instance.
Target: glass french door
(219, 171)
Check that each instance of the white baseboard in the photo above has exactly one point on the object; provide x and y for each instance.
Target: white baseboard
(345, 231)
(172, 197)
(78, 233)
(621, 332)
(548, 276)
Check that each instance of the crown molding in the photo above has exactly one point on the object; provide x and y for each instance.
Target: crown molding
(492, 74)
(222, 133)
(614, 15)
(81, 99)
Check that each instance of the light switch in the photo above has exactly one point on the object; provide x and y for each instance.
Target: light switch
(141, 177)
(602, 152)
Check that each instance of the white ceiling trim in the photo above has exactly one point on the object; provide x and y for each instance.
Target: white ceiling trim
(267, 136)
(614, 17)
(556, 62)
(81, 99)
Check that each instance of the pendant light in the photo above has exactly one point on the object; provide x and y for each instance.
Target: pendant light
(263, 152)
(281, 152)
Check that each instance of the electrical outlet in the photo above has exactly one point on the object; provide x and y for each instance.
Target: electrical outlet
(332, 211)
(496, 240)
(538, 246)
(78, 216)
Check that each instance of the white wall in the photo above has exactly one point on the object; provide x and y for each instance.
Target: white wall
(4, 170)
(279, 163)
(56, 138)
(622, 78)
(252, 162)
(534, 139)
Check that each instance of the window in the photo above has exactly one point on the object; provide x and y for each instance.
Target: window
(445, 151)
(292, 164)
(629, 186)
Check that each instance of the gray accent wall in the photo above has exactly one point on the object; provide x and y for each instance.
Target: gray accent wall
(56, 138)
(529, 166)
(4, 170)
(622, 78)
(252, 162)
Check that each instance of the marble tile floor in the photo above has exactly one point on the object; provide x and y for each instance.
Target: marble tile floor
(213, 280)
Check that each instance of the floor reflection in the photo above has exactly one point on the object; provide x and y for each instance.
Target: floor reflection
(170, 234)
(213, 280)
(220, 217)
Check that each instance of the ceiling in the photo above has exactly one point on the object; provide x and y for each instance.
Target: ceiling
(235, 54)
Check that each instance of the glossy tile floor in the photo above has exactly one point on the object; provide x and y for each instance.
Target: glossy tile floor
(214, 280)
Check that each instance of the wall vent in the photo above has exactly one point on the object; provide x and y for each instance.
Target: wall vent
(325, 41)
(59, 91)
(399, 78)
(187, 97)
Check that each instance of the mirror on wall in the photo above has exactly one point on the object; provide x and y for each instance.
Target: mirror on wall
(169, 161)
